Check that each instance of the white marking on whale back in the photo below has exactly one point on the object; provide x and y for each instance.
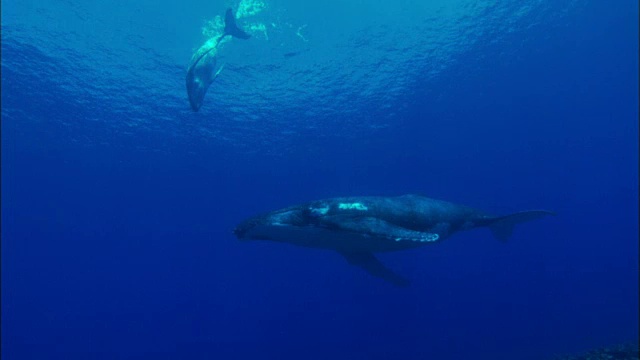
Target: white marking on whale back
(319, 211)
(353, 206)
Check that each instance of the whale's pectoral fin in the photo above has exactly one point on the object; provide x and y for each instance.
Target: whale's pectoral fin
(502, 227)
(215, 75)
(219, 71)
(231, 28)
(373, 266)
(377, 227)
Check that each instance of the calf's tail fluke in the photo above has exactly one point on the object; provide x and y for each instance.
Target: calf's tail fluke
(502, 226)
(231, 28)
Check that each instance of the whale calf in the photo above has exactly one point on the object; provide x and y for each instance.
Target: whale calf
(357, 227)
(202, 71)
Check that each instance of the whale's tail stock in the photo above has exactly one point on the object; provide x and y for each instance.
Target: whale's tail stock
(502, 226)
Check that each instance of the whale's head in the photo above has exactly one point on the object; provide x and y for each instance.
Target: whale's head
(278, 225)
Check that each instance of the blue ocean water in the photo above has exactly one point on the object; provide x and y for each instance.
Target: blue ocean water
(119, 201)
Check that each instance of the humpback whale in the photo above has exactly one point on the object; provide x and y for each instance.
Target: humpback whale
(201, 72)
(357, 227)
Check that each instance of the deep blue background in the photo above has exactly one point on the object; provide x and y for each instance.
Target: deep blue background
(110, 251)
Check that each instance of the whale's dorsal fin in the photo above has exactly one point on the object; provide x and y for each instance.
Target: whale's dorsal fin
(373, 266)
(231, 28)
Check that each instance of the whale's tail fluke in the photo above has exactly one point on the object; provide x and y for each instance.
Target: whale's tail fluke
(502, 226)
(231, 28)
